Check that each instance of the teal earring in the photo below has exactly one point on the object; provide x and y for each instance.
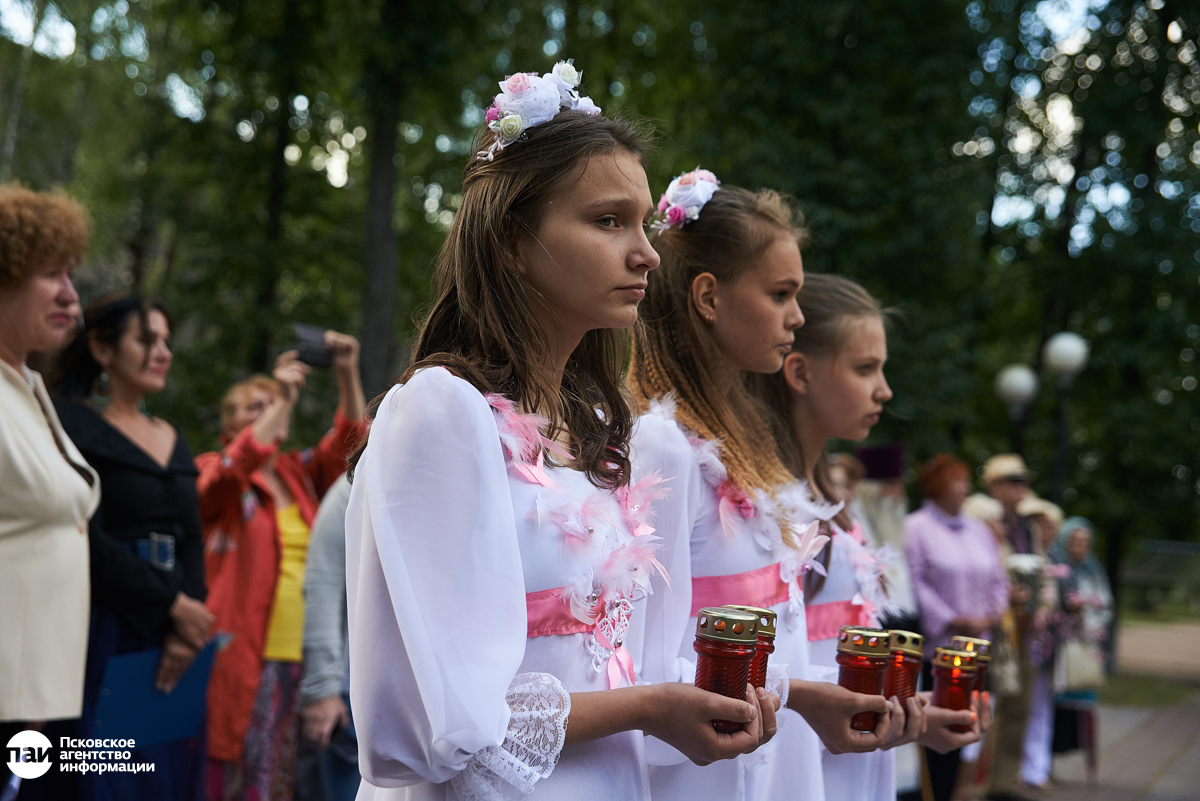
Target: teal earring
(100, 391)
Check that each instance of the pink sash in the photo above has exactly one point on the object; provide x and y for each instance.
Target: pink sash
(824, 620)
(548, 614)
(762, 587)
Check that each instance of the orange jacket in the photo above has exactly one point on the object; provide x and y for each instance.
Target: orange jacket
(242, 555)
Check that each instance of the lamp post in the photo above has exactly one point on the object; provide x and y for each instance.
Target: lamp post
(1065, 354)
(1016, 386)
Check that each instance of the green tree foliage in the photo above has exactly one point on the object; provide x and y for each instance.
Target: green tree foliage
(997, 170)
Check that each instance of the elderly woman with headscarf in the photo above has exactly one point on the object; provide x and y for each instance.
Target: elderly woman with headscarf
(1084, 590)
(1080, 626)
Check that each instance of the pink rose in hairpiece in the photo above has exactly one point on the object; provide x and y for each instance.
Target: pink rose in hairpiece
(705, 175)
(663, 203)
(687, 179)
(493, 114)
(519, 83)
(676, 215)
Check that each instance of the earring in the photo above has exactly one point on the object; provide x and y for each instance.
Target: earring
(100, 391)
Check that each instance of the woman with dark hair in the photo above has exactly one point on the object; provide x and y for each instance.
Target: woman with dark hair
(960, 582)
(147, 559)
(495, 549)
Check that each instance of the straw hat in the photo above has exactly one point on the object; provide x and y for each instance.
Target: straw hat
(1033, 505)
(1005, 465)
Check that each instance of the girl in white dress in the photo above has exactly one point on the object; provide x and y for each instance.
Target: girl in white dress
(734, 521)
(494, 557)
(832, 385)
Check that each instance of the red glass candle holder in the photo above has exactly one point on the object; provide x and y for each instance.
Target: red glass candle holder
(862, 659)
(907, 654)
(983, 656)
(954, 675)
(726, 643)
(766, 642)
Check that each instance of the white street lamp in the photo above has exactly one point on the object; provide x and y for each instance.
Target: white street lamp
(1065, 355)
(1017, 386)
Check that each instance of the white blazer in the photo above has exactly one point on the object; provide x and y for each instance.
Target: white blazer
(45, 586)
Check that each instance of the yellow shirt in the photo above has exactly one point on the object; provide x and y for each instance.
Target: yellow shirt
(285, 634)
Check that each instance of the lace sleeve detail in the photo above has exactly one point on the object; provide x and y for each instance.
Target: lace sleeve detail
(779, 681)
(536, 733)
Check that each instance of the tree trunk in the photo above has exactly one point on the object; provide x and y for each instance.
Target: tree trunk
(265, 297)
(379, 294)
(14, 113)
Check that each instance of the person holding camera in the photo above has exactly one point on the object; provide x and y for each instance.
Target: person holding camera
(257, 504)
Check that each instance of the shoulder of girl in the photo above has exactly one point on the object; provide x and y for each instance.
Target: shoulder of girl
(654, 432)
(439, 392)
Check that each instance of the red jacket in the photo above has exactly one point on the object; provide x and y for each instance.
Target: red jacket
(241, 559)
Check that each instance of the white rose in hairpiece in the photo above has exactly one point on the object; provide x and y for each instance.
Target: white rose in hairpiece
(509, 127)
(566, 71)
(529, 95)
(565, 78)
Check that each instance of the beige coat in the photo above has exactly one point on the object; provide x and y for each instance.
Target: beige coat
(45, 592)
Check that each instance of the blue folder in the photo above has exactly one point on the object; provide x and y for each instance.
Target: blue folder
(131, 707)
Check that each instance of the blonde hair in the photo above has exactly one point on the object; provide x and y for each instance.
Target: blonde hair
(233, 396)
(673, 351)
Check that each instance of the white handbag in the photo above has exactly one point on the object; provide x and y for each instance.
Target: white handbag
(1078, 666)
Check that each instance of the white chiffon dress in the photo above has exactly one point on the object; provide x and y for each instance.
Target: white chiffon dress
(484, 586)
(721, 547)
(851, 596)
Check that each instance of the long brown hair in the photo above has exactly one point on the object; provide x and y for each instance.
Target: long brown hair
(673, 351)
(830, 303)
(483, 326)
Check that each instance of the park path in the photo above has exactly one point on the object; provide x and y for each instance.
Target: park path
(1160, 649)
(1146, 754)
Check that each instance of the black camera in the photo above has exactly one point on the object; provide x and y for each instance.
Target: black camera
(310, 342)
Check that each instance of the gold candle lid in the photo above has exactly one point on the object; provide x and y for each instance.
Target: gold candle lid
(862, 641)
(981, 648)
(907, 641)
(950, 658)
(727, 625)
(766, 618)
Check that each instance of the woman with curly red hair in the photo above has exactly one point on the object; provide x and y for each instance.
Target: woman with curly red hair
(47, 489)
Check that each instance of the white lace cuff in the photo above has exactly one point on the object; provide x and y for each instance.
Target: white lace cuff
(779, 681)
(536, 733)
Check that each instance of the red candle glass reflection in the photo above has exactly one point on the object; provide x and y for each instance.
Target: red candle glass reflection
(766, 642)
(726, 644)
(953, 680)
(904, 664)
(862, 659)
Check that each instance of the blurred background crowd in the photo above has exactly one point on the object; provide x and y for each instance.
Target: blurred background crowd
(1020, 178)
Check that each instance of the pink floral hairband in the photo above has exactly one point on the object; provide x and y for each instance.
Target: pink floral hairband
(685, 197)
(528, 99)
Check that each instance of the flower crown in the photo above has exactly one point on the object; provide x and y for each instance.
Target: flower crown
(685, 197)
(527, 99)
